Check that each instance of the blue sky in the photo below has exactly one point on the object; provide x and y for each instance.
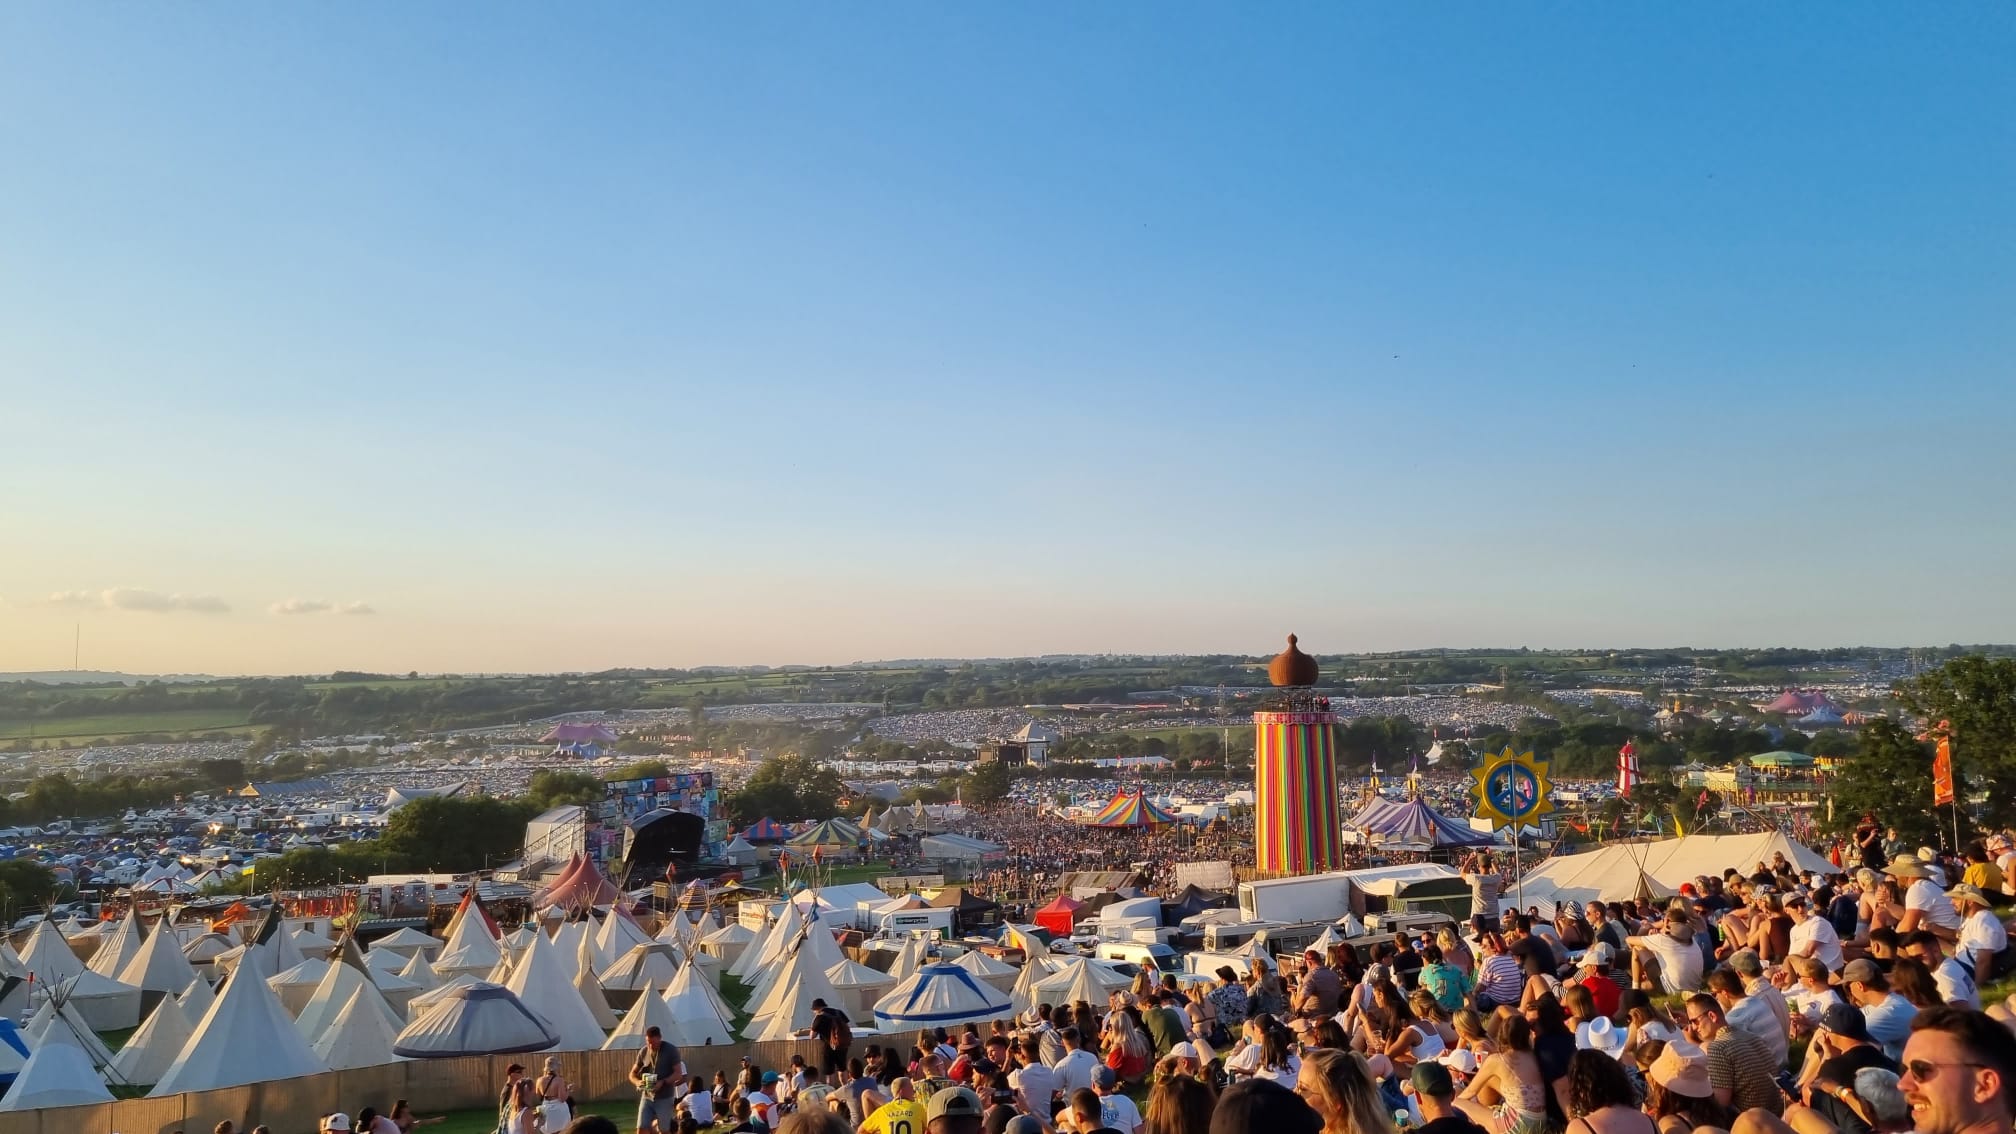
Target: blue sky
(563, 338)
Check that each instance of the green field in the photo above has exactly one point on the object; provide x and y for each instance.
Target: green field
(113, 725)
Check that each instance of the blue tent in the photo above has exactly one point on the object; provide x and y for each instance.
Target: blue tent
(13, 1052)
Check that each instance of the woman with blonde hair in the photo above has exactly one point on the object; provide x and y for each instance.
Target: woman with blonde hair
(1337, 1084)
(1179, 1104)
(1471, 1034)
(1507, 1095)
(1432, 1015)
(1456, 951)
(1126, 1047)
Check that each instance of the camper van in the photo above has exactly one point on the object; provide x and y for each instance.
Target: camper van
(1158, 957)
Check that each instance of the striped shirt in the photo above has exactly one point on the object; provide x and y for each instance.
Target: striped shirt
(1500, 979)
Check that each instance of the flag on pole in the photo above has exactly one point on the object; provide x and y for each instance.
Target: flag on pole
(1627, 769)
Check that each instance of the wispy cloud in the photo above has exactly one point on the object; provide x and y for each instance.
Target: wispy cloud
(319, 606)
(137, 599)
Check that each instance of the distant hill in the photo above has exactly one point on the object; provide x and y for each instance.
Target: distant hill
(101, 677)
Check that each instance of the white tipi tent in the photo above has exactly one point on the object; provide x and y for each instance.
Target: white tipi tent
(48, 956)
(149, 1051)
(59, 1018)
(197, 999)
(246, 1037)
(799, 982)
(1000, 974)
(760, 956)
(159, 966)
(859, 987)
(120, 946)
(728, 942)
(360, 1035)
(650, 1011)
(341, 984)
(470, 948)
(616, 936)
(58, 1073)
(420, 972)
(699, 1015)
(105, 1004)
(595, 998)
(542, 983)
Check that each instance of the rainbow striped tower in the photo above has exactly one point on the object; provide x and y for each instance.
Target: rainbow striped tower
(1297, 824)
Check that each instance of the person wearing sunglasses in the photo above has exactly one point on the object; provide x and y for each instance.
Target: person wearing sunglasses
(1959, 1072)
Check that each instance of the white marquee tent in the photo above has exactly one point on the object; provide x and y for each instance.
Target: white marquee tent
(1621, 871)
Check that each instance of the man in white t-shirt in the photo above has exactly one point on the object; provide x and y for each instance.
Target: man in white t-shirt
(1034, 1083)
(1116, 1110)
(1813, 935)
(1076, 1069)
(1956, 984)
(1680, 961)
(2005, 861)
(1982, 934)
(1926, 906)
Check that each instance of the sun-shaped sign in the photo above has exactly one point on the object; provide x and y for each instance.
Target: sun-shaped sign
(1512, 788)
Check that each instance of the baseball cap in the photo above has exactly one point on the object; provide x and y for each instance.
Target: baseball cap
(1460, 1059)
(1747, 962)
(1845, 1021)
(337, 1121)
(1862, 969)
(1432, 1079)
(1023, 1124)
(769, 1077)
(1598, 954)
(1186, 1050)
(1108, 1078)
(953, 1102)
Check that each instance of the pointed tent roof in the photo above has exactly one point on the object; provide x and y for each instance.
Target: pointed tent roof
(119, 947)
(586, 886)
(1036, 969)
(1612, 873)
(820, 952)
(616, 936)
(982, 965)
(1131, 809)
(1081, 979)
(447, 988)
(650, 1011)
(149, 1051)
(13, 1049)
(908, 960)
(245, 1037)
(854, 974)
(340, 984)
(1415, 822)
(788, 1005)
(470, 946)
(10, 961)
(479, 1018)
(58, 1073)
(405, 941)
(419, 971)
(1375, 809)
(196, 999)
(541, 982)
(359, 1036)
(58, 1018)
(596, 998)
(755, 958)
(48, 956)
(700, 1014)
(766, 830)
(204, 948)
(829, 833)
(940, 995)
(650, 965)
(159, 966)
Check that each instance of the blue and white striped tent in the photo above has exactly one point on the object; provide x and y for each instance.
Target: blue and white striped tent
(940, 996)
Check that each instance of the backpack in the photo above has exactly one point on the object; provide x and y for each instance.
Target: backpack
(842, 1036)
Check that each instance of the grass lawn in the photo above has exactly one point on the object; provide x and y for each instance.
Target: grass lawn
(624, 1114)
(113, 725)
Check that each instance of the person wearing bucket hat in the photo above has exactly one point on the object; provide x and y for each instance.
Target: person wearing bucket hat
(1982, 936)
(1926, 905)
(1678, 1095)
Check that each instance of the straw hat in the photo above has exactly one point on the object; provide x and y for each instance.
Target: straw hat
(1907, 866)
(1683, 1069)
(1967, 892)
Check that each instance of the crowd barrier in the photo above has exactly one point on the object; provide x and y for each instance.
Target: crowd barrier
(429, 1086)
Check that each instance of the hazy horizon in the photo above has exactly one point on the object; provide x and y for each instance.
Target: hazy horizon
(393, 339)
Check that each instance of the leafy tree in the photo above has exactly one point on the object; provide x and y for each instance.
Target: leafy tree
(453, 833)
(222, 773)
(549, 788)
(1977, 696)
(642, 770)
(788, 788)
(989, 782)
(1890, 775)
(24, 886)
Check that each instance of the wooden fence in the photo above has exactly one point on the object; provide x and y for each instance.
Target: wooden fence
(430, 1086)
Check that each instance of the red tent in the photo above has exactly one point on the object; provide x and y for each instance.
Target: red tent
(1060, 916)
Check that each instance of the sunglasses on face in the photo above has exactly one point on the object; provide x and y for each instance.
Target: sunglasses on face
(1926, 1070)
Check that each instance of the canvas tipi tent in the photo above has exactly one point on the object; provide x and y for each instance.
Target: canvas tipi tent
(57, 1073)
(341, 983)
(246, 1037)
(1620, 872)
(117, 947)
(699, 1015)
(48, 956)
(541, 982)
(159, 967)
(360, 1035)
(471, 948)
(149, 1052)
(650, 1011)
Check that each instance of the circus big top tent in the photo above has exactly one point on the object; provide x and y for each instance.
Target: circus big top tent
(1131, 809)
(1414, 823)
(579, 738)
(1619, 871)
